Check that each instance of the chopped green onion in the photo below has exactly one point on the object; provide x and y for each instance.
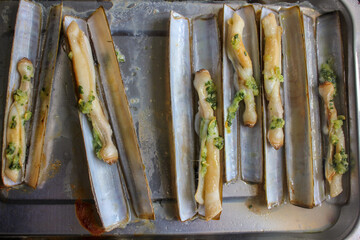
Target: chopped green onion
(277, 123)
(232, 109)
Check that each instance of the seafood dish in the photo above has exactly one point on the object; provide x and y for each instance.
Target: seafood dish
(202, 54)
(111, 82)
(89, 103)
(246, 83)
(18, 116)
(208, 189)
(23, 143)
(272, 79)
(252, 117)
(241, 66)
(104, 177)
(331, 87)
(92, 91)
(274, 163)
(337, 161)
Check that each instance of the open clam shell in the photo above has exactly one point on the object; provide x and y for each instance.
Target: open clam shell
(182, 115)
(298, 144)
(119, 111)
(25, 45)
(36, 154)
(237, 146)
(231, 151)
(105, 179)
(273, 159)
(206, 55)
(329, 45)
(194, 45)
(313, 86)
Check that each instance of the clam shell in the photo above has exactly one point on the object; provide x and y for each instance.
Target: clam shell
(231, 148)
(231, 151)
(206, 55)
(25, 45)
(313, 86)
(237, 144)
(46, 76)
(298, 145)
(202, 51)
(105, 179)
(119, 111)
(274, 159)
(329, 45)
(183, 133)
(251, 155)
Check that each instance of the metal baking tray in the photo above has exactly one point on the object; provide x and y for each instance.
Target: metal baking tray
(140, 29)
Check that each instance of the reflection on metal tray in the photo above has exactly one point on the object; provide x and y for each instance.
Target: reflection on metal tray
(140, 29)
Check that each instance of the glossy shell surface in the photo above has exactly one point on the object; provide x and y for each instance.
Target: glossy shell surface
(182, 115)
(298, 148)
(274, 160)
(26, 44)
(37, 161)
(118, 107)
(105, 179)
(330, 46)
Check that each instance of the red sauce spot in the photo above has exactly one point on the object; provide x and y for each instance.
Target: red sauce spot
(88, 218)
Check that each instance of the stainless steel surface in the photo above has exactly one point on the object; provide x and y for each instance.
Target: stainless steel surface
(141, 32)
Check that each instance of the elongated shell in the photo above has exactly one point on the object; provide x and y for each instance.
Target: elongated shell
(312, 76)
(111, 81)
(231, 153)
(274, 159)
(25, 45)
(298, 146)
(36, 154)
(329, 45)
(242, 142)
(206, 55)
(104, 178)
(251, 144)
(182, 115)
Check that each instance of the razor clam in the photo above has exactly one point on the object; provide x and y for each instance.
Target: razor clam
(111, 81)
(206, 55)
(251, 155)
(182, 115)
(104, 178)
(231, 151)
(309, 35)
(25, 45)
(46, 76)
(330, 46)
(298, 148)
(274, 159)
